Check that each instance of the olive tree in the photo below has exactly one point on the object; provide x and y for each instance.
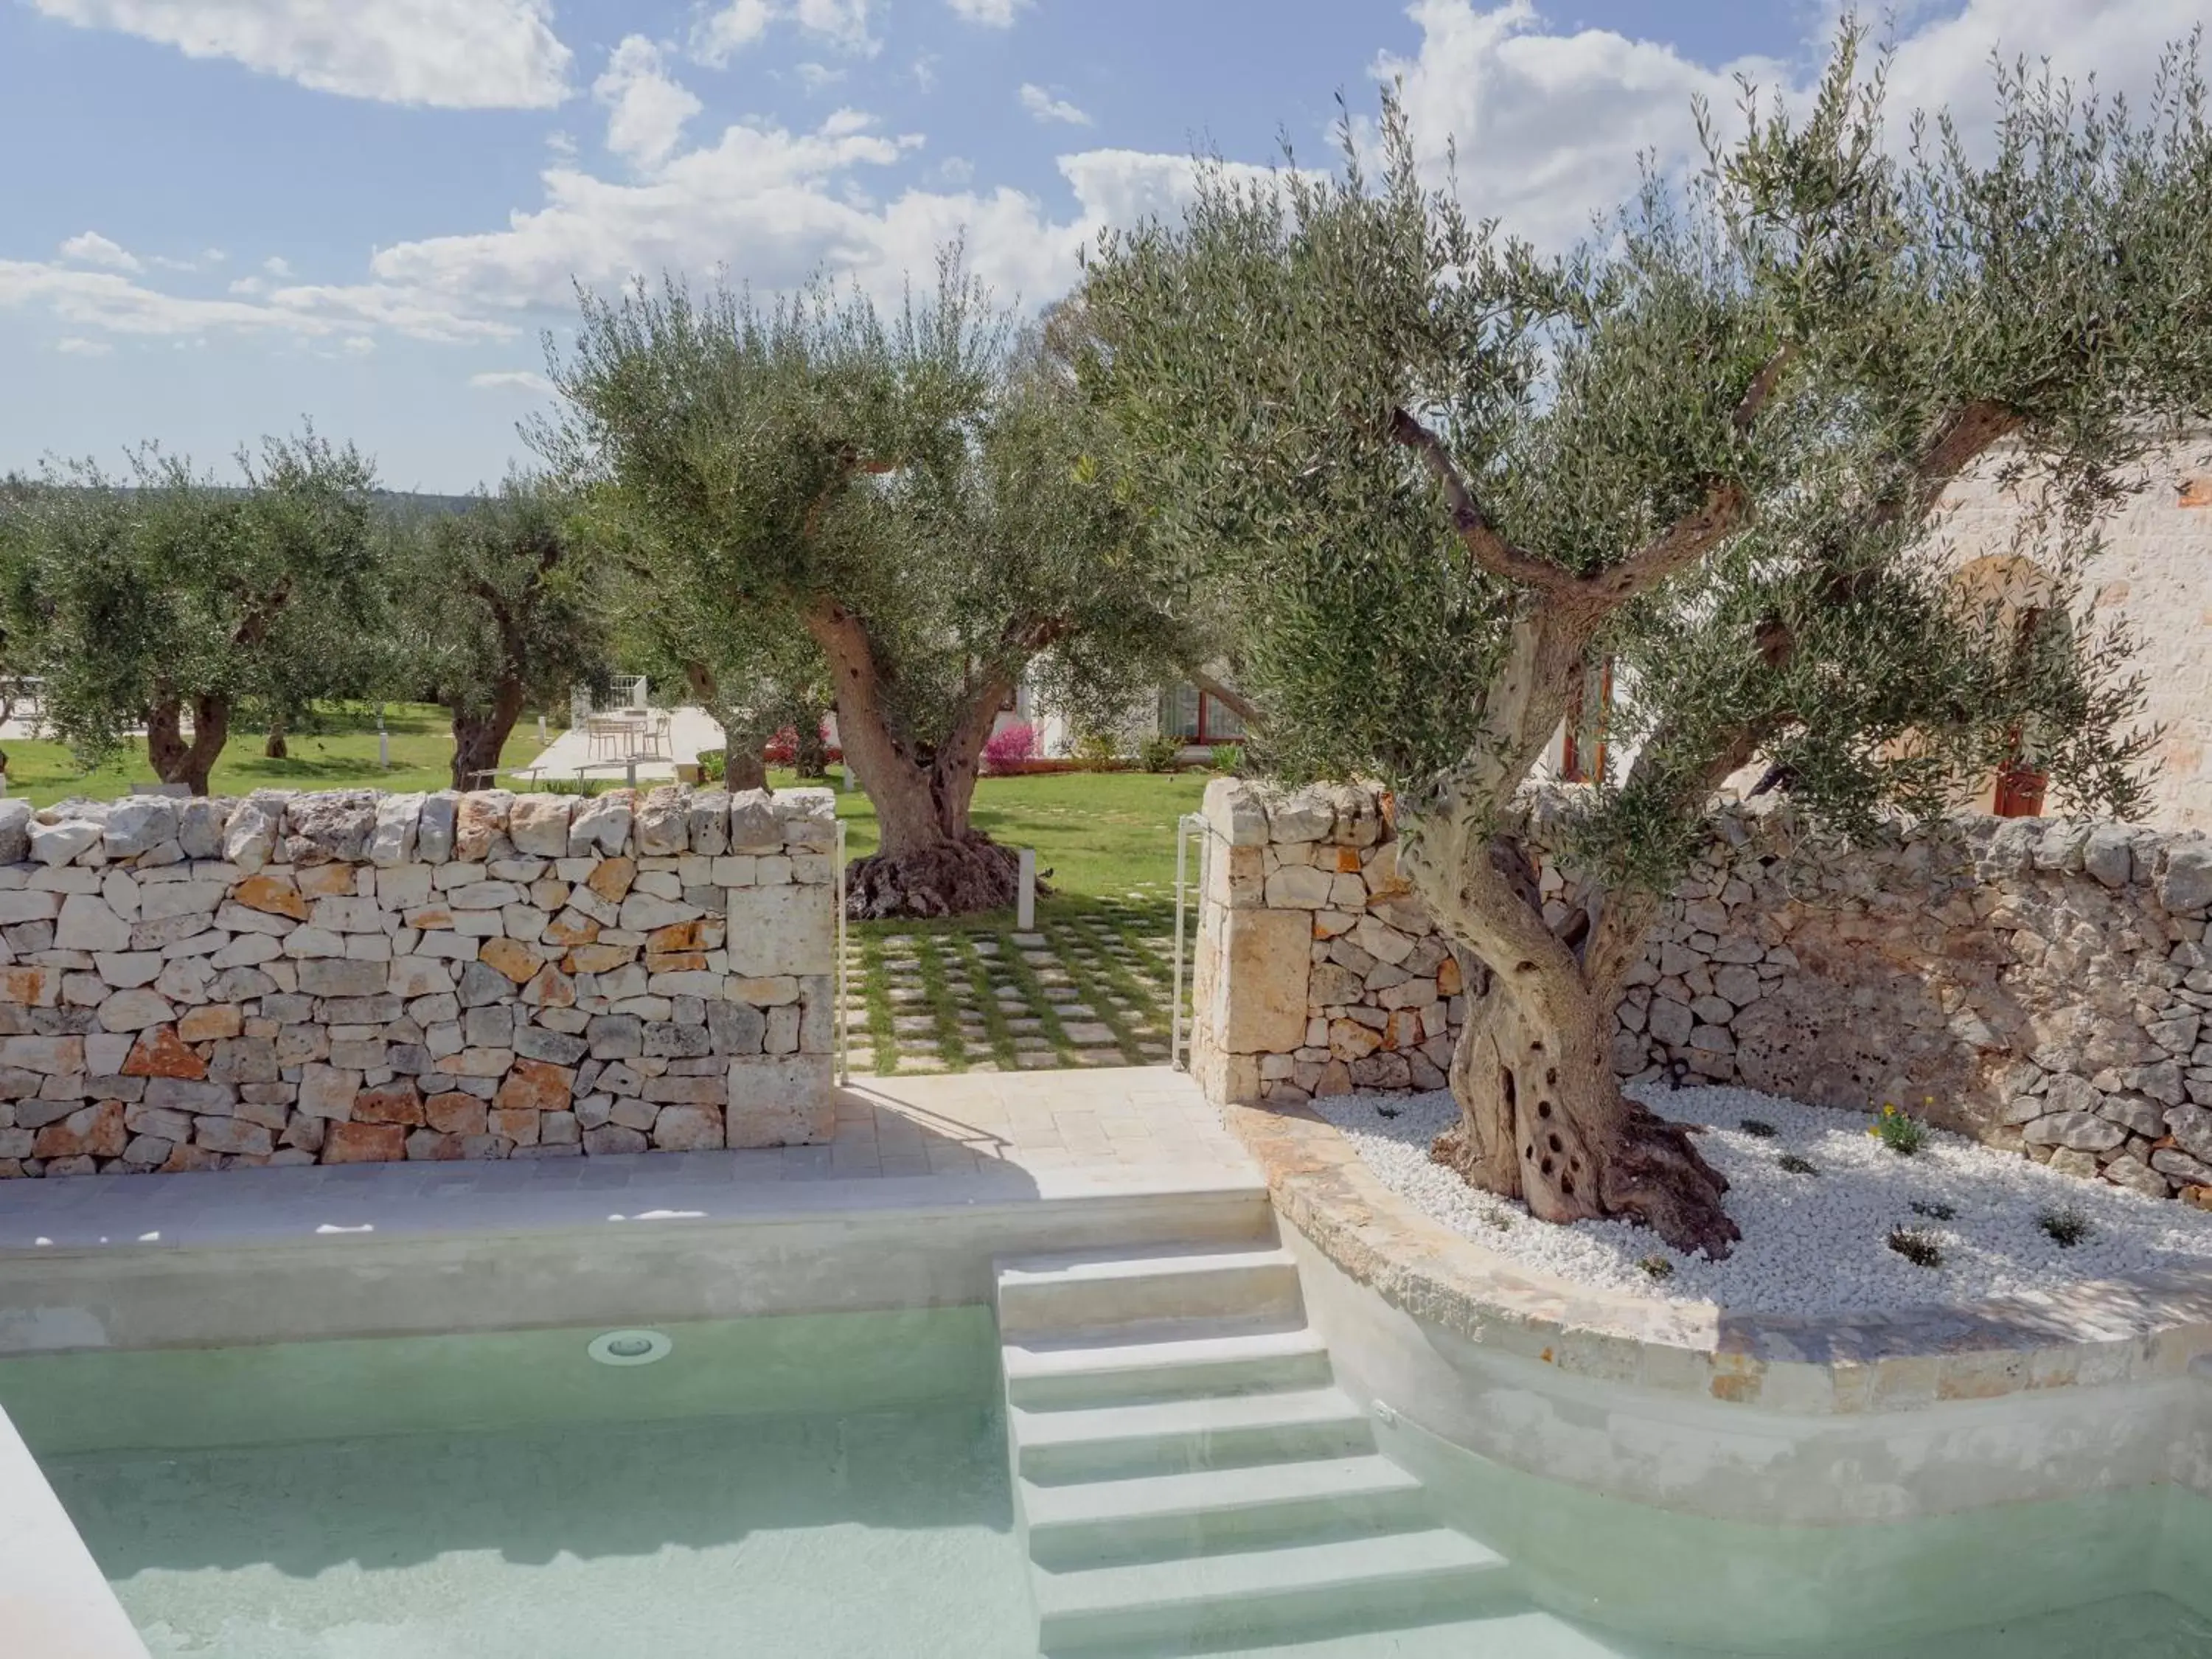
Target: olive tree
(1445, 478)
(165, 599)
(918, 496)
(501, 604)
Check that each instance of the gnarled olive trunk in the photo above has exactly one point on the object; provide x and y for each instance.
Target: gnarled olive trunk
(174, 759)
(930, 861)
(480, 736)
(1542, 1117)
(809, 753)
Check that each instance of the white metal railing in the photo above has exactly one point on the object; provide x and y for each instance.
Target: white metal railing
(844, 1041)
(1189, 824)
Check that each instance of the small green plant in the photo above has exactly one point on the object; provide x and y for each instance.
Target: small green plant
(1227, 757)
(1934, 1210)
(1902, 1134)
(1919, 1247)
(713, 764)
(1657, 1268)
(1499, 1219)
(1757, 1127)
(1790, 1164)
(1098, 749)
(2067, 1225)
(573, 785)
(1160, 753)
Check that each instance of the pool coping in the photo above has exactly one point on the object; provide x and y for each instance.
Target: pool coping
(2106, 1332)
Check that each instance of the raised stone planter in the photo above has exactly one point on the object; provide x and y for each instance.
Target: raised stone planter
(350, 977)
(2042, 985)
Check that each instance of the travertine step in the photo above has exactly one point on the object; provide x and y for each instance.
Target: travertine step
(1162, 1437)
(1093, 1292)
(1220, 1356)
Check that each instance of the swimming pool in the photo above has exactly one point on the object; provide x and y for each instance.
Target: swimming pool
(807, 1485)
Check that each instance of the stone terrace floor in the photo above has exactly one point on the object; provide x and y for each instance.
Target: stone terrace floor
(920, 1140)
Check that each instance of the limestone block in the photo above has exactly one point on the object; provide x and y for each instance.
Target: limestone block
(601, 825)
(59, 843)
(2184, 876)
(1256, 999)
(1307, 815)
(539, 825)
(139, 824)
(780, 930)
(1299, 887)
(392, 836)
(785, 1101)
(689, 1129)
(2081, 1132)
(1235, 814)
(435, 828)
(330, 827)
(15, 831)
(480, 824)
(708, 822)
(249, 840)
(664, 821)
(1382, 941)
(754, 827)
(85, 923)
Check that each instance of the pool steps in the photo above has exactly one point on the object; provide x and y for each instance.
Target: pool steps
(1186, 1472)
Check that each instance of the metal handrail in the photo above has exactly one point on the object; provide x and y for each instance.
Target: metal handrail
(1188, 824)
(843, 978)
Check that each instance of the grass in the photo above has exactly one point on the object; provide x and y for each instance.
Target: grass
(339, 752)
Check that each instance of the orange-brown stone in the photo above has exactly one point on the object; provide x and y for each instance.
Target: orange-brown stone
(326, 880)
(1448, 982)
(1404, 1032)
(429, 916)
(39, 988)
(455, 1114)
(676, 936)
(442, 1149)
(364, 1143)
(519, 1124)
(210, 1023)
(536, 1085)
(395, 1102)
(184, 1156)
(552, 988)
(510, 957)
(612, 880)
(88, 1132)
(160, 1052)
(1347, 861)
(598, 958)
(679, 962)
(275, 895)
(571, 927)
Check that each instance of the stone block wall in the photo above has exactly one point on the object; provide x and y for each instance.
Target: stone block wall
(354, 977)
(2040, 984)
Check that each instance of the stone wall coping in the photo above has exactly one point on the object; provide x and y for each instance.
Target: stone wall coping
(2107, 1333)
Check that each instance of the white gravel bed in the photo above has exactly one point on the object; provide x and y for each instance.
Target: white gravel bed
(1811, 1244)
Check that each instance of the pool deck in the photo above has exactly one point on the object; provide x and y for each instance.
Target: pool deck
(928, 1180)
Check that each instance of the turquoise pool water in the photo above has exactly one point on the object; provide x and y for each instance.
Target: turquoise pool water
(834, 1487)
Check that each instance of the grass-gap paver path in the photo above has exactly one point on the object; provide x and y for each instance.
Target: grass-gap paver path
(1089, 986)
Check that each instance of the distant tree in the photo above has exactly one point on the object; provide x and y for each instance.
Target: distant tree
(1443, 477)
(500, 605)
(921, 498)
(165, 600)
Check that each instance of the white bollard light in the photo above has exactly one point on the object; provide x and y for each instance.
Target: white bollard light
(1025, 895)
(541, 730)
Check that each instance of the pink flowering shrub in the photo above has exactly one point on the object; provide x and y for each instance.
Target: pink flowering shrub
(1010, 746)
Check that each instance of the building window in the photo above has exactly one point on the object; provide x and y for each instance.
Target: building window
(1198, 717)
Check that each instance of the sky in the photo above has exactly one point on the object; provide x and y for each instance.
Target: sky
(225, 218)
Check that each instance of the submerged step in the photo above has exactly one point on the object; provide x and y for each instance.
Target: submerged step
(1401, 1577)
(1097, 1290)
(1190, 1511)
(1207, 1432)
(1217, 1356)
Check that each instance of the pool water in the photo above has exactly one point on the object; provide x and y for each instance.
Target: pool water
(835, 1486)
(498, 1507)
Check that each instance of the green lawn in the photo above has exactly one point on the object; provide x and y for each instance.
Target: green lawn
(339, 754)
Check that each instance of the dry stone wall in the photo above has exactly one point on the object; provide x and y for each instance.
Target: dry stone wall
(356, 978)
(2040, 984)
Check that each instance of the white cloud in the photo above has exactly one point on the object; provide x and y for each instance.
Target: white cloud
(276, 265)
(1548, 124)
(646, 110)
(73, 345)
(456, 54)
(842, 24)
(512, 379)
(249, 287)
(91, 248)
(1046, 107)
(992, 14)
(112, 303)
(358, 345)
(815, 76)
